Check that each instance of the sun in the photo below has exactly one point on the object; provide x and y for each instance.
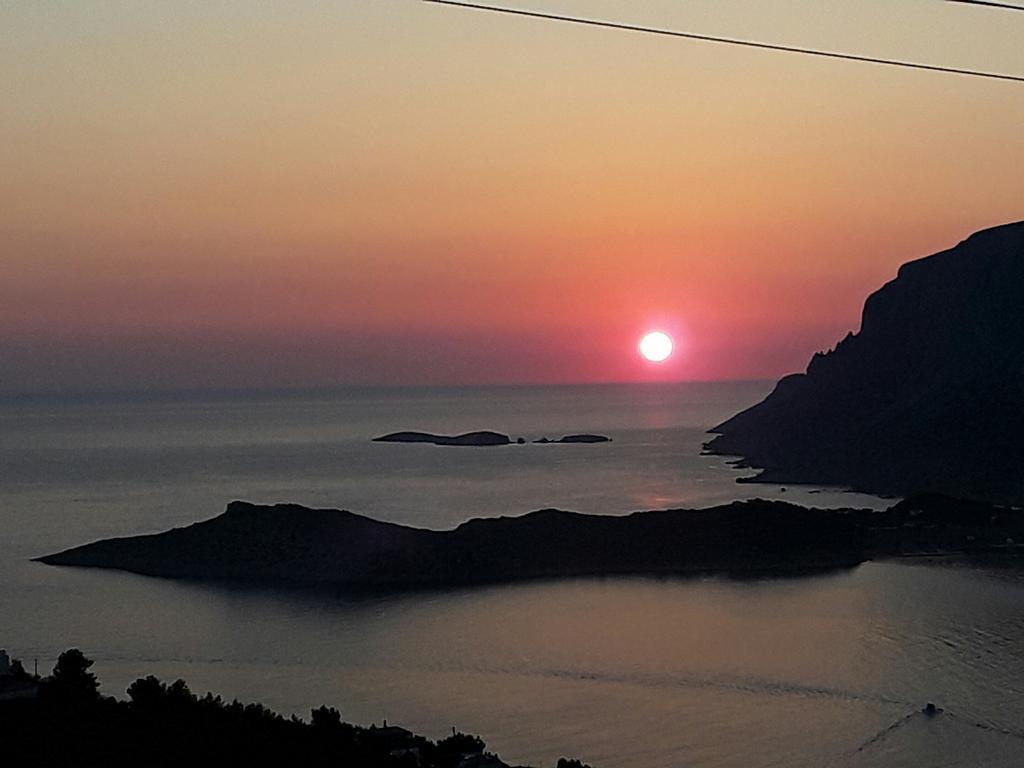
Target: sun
(656, 346)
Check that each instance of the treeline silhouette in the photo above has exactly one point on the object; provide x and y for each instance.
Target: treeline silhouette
(70, 724)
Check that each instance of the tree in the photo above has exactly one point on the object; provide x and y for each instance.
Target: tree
(72, 678)
(17, 669)
(146, 692)
(327, 718)
(451, 749)
(179, 695)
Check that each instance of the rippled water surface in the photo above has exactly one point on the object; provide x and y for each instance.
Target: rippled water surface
(828, 670)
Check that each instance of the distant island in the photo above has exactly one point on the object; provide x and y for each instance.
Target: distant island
(575, 439)
(290, 544)
(480, 439)
(926, 397)
(62, 720)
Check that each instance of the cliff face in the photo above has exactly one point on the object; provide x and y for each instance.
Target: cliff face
(928, 396)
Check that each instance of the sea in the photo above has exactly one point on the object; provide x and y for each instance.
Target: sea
(823, 670)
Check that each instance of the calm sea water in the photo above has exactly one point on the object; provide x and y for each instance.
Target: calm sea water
(638, 672)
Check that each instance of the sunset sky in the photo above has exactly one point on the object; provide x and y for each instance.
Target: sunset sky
(229, 194)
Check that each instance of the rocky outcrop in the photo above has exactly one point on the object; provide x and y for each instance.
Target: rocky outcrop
(927, 396)
(479, 439)
(575, 439)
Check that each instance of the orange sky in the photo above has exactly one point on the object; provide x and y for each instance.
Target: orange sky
(302, 194)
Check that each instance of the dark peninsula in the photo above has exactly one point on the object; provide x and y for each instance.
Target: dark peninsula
(479, 439)
(289, 544)
(926, 397)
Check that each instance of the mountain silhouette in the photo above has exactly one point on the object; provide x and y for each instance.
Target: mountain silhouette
(928, 396)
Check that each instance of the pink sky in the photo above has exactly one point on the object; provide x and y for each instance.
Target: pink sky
(390, 192)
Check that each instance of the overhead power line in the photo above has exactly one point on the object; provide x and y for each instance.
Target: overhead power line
(727, 40)
(989, 4)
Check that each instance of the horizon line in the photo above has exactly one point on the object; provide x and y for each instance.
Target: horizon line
(225, 391)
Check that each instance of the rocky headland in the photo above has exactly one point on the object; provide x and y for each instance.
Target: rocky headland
(925, 397)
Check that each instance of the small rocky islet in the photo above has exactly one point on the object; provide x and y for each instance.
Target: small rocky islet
(482, 439)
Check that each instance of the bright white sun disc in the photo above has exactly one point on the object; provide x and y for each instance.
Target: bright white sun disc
(656, 346)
